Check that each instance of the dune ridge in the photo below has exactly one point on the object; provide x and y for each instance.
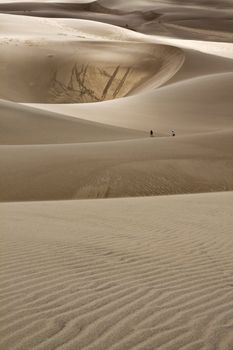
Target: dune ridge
(85, 67)
(93, 160)
(195, 105)
(187, 20)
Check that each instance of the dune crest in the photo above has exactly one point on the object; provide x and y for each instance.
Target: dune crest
(199, 20)
(86, 67)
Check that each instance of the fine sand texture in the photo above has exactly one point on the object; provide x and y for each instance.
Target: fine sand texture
(139, 167)
(119, 274)
(112, 239)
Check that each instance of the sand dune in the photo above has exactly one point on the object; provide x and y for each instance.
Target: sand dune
(118, 274)
(20, 125)
(147, 273)
(198, 64)
(90, 10)
(58, 28)
(87, 77)
(219, 49)
(192, 103)
(200, 20)
(85, 67)
(151, 166)
(191, 106)
(188, 20)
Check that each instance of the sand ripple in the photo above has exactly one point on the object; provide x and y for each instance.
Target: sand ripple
(160, 277)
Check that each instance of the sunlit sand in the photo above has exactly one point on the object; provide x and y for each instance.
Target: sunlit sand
(112, 239)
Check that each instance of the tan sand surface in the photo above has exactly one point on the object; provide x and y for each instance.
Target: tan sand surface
(119, 274)
(68, 60)
(204, 20)
(193, 106)
(35, 126)
(150, 166)
(79, 268)
(42, 159)
(190, 106)
(78, 61)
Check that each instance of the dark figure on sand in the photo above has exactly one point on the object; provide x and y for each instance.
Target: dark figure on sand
(151, 133)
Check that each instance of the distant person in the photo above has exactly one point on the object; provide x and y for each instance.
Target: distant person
(173, 133)
(151, 133)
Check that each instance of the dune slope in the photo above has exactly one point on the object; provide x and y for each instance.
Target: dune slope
(78, 61)
(208, 20)
(21, 125)
(151, 166)
(194, 105)
(53, 165)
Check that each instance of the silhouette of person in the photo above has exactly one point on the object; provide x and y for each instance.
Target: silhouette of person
(173, 133)
(151, 133)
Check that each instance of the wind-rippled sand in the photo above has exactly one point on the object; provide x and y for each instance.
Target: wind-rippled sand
(146, 273)
(81, 86)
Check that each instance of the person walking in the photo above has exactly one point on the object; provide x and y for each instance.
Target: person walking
(151, 133)
(173, 133)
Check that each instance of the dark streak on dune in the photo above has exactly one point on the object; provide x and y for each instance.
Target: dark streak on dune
(192, 19)
(93, 10)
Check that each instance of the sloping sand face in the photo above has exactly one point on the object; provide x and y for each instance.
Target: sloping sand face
(84, 72)
(20, 125)
(195, 105)
(79, 68)
(140, 167)
(204, 20)
(91, 10)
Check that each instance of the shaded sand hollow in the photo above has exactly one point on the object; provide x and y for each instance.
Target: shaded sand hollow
(78, 61)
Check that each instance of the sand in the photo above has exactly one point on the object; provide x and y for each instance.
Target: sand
(35, 126)
(78, 61)
(112, 239)
(194, 105)
(147, 166)
(145, 273)
(208, 20)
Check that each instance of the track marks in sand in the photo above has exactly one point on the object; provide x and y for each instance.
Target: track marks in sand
(90, 62)
(143, 282)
